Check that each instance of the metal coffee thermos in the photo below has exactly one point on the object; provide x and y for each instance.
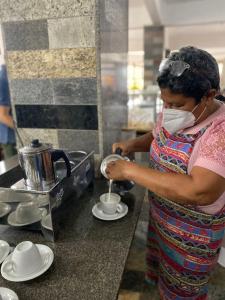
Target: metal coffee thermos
(118, 186)
(37, 162)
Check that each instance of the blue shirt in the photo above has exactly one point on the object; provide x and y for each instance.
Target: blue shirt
(7, 135)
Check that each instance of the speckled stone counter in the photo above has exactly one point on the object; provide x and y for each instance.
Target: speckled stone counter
(90, 254)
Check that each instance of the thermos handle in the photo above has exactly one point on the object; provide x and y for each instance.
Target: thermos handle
(119, 151)
(57, 154)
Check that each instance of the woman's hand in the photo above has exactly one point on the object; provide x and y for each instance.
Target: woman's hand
(125, 146)
(120, 169)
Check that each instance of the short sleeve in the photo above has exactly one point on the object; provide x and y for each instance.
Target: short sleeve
(211, 154)
(158, 125)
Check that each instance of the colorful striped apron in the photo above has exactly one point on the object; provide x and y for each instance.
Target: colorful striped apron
(183, 242)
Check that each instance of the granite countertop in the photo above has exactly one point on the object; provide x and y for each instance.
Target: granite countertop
(7, 165)
(90, 254)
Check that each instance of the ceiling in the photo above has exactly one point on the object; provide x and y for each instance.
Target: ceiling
(138, 14)
(177, 12)
(187, 22)
(189, 12)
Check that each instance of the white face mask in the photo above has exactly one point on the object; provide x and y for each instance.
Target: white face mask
(175, 119)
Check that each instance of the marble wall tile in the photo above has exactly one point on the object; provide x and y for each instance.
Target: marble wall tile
(66, 73)
(30, 35)
(113, 14)
(113, 122)
(86, 140)
(110, 136)
(54, 91)
(44, 135)
(113, 119)
(114, 42)
(57, 116)
(113, 97)
(75, 91)
(153, 53)
(20, 10)
(72, 32)
(115, 66)
(113, 36)
(36, 91)
(52, 64)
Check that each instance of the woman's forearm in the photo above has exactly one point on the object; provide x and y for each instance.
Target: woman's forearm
(7, 120)
(163, 184)
(5, 117)
(180, 188)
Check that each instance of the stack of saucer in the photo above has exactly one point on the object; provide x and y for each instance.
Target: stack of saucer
(4, 250)
(110, 208)
(46, 222)
(26, 213)
(4, 209)
(27, 261)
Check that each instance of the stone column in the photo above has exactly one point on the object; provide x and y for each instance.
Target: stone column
(57, 69)
(153, 47)
(113, 61)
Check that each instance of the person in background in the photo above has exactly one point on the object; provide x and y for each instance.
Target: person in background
(186, 177)
(7, 135)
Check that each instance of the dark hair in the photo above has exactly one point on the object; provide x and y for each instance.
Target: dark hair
(195, 81)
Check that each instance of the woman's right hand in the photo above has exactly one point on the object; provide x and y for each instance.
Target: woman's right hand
(125, 146)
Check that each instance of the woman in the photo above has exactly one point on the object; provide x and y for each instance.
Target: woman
(186, 178)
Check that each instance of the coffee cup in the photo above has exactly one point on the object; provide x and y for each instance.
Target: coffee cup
(110, 203)
(25, 260)
(27, 212)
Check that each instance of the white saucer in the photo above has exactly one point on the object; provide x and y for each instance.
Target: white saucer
(46, 222)
(12, 218)
(47, 257)
(8, 294)
(4, 250)
(4, 209)
(98, 213)
(221, 258)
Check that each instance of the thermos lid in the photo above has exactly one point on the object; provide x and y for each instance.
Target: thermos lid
(35, 147)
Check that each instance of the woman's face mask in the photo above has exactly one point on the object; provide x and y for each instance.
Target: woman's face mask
(175, 119)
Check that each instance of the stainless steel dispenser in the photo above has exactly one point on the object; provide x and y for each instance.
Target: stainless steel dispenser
(37, 162)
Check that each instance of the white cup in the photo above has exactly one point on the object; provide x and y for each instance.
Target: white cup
(26, 259)
(111, 205)
(27, 212)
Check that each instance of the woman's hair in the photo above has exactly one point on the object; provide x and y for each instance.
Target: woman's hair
(200, 73)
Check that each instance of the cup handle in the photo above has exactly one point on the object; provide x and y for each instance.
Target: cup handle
(9, 266)
(119, 208)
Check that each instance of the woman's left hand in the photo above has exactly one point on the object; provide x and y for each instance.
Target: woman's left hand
(119, 169)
